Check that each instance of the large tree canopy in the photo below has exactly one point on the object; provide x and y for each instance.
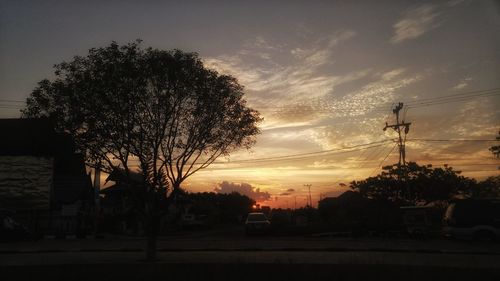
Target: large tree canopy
(161, 111)
(423, 184)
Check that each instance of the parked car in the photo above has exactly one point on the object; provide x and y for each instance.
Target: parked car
(191, 221)
(477, 219)
(422, 221)
(257, 223)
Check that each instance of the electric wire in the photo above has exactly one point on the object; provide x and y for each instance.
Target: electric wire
(383, 160)
(451, 140)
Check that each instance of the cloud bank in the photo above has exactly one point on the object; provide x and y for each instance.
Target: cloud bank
(245, 189)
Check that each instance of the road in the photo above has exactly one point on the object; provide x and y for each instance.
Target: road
(220, 255)
(249, 265)
(201, 241)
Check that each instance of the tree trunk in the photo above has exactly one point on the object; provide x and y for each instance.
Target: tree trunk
(151, 247)
(152, 238)
(175, 190)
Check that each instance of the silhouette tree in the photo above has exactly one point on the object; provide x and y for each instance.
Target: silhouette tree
(488, 188)
(352, 211)
(496, 148)
(227, 207)
(424, 184)
(159, 111)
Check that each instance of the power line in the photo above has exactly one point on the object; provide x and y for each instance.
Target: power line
(12, 101)
(304, 155)
(445, 101)
(361, 147)
(411, 104)
(373, 153)
(309, 198)
(459, 95)
(301, 155)
(379, 108)
(462, 94)
(383, 160)
(9, 107)
(453, 140)
(253, 161)
(456, 151)
(374, 157)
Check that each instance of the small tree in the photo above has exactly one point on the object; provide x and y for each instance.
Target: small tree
(162, 110)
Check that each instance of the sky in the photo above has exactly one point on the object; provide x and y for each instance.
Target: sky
(325, 76)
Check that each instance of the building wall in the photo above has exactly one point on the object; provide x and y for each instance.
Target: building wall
(25, 182)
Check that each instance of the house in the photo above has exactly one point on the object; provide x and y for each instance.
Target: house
(43, 180)
(122, 203)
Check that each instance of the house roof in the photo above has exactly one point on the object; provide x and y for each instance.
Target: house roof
(115, 188)
(119, 176)
(32, 137)
(123, 183)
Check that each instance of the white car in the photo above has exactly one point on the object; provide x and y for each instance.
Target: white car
(257, 223)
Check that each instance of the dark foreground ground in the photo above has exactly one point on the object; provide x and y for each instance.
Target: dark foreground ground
(244, 271)
(209, 256)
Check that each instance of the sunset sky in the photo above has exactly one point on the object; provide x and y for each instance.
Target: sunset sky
(325, 76)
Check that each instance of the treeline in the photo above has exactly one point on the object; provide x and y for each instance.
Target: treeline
(419, 185)
(374, 204)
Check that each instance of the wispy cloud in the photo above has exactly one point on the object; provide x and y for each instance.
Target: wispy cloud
(415, 23)
(476, 118)
(293, 90)
(471, 120)
(299, 76)
(376, 94)
(462, 84)
(453, 3)
(299, 100)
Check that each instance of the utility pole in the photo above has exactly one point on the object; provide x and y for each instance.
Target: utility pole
(402, 171)
(401, 139)
(309, 203)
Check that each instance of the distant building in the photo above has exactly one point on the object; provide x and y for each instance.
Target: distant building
(266, 210)
(42, 179)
